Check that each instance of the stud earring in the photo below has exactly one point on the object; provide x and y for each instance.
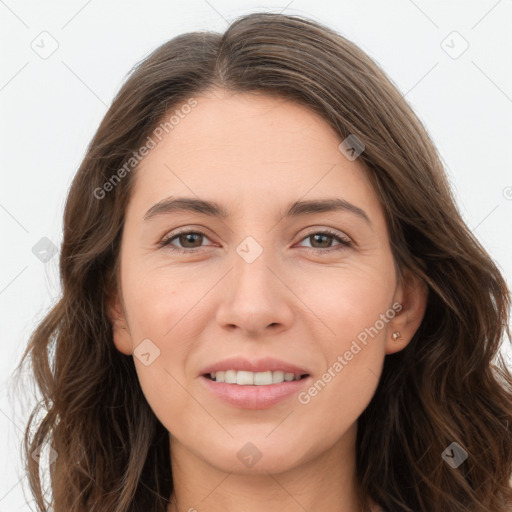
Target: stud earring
(396, 335)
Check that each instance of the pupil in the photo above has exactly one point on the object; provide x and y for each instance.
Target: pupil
(322, 236)
(187, 237)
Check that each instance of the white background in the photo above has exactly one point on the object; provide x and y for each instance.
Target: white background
(50, 109)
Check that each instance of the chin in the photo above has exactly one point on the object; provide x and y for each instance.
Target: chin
(258, 457)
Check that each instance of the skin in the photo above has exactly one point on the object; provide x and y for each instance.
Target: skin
(254, 154)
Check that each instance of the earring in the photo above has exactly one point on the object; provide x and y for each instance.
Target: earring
(396, 335)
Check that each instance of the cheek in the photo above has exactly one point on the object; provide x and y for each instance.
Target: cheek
(164, 305)
(348, 300)
(351, 306)
(157, 299)
(159, 313)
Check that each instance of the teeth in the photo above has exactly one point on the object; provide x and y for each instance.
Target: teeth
(244, 378)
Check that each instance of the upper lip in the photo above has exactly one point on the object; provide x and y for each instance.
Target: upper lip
(255, 365)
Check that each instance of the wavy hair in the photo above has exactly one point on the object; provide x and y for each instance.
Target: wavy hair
(450, 384)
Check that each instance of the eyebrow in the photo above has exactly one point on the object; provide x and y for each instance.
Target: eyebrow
(213, 209)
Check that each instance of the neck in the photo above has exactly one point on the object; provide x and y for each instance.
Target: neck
(326, 482)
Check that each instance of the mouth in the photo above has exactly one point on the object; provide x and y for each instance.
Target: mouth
(247, 378)
(254, 390)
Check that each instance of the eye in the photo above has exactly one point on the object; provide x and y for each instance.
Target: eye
(189, 240)
(324, 237)
(186, 238)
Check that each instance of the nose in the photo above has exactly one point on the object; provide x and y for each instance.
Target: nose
(255, 298)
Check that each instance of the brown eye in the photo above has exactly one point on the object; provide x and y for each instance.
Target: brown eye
(189, 241)
(321, 241)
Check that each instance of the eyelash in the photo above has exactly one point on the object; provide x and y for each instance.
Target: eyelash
(344, 243)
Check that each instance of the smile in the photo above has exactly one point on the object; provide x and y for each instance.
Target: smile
(246, 378)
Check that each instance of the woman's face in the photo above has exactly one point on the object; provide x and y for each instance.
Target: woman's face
(260, 284)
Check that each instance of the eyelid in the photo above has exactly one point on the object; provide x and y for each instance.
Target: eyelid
(331, 231)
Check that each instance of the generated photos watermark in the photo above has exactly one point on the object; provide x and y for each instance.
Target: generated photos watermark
(304, 397)
(158, 133)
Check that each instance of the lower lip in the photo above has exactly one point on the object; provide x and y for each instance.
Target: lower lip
(254, 397)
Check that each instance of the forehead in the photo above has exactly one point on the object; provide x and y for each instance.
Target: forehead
(230, 126)
(252, 150)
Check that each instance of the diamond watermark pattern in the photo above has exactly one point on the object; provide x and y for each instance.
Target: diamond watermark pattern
(454, 45)
(45, 45)
(249, 454)
(44, 250)
(249, 249)
(36, 454)
(146, 352)
(454, 455)
(351, 147)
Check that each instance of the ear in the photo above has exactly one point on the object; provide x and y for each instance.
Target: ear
(412, 295)
(120, 330)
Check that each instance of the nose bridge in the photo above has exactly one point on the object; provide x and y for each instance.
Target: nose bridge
(254, 266)
(255, 297)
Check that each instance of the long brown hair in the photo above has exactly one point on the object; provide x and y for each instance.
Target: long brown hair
(449, 385)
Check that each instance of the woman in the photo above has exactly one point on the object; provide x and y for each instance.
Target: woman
(270, 301)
